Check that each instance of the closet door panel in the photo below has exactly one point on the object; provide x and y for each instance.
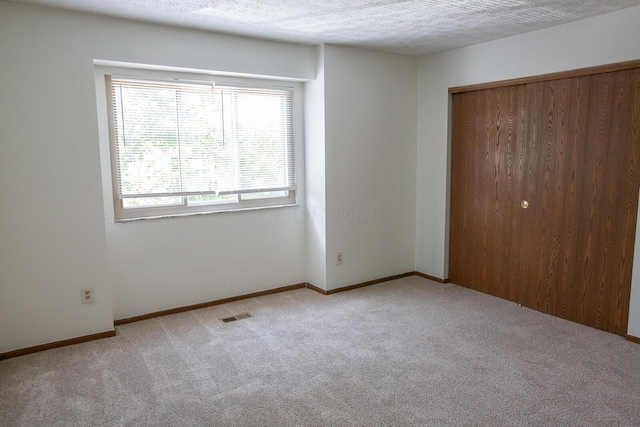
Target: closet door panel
(557, 114)
(609, 201)
(582, 182)
(487, 172)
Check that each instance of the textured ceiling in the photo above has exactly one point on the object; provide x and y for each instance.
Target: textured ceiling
(407, 26)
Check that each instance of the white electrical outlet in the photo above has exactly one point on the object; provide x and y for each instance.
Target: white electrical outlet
(339, 258)
(87, 295)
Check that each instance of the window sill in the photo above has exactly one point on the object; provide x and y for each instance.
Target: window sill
(177, 215)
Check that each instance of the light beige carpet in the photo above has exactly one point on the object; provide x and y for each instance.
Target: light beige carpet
(405, 353)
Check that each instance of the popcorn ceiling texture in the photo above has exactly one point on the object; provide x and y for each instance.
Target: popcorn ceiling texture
(416, 27)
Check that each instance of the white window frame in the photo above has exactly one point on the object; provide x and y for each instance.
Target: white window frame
(242, 201)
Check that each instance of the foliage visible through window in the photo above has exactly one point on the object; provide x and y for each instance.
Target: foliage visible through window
(180, 147)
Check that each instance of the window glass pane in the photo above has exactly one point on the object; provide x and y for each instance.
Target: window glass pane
(146, 202)
(264, 195)
(212, 198)
(259, 140)
(165, 138)
(147, 145)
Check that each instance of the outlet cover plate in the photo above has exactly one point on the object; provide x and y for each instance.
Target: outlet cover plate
(87, 295)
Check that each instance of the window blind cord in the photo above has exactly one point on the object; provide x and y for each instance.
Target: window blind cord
(178, 141)
(224, 142)
(124, 136)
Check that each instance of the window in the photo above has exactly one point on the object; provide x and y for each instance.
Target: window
(185, 146)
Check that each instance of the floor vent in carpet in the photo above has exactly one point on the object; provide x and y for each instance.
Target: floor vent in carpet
(236, 317)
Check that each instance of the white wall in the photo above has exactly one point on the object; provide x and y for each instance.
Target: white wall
(370, 149)
(366, 198)
(55, 239)
(596, 41)
(167, 263)
(634, 309)
(316, 243)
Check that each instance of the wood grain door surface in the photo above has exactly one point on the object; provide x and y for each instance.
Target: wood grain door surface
(488, 156)
(570, 148)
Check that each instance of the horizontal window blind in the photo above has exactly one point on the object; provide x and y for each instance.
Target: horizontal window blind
(180, 139)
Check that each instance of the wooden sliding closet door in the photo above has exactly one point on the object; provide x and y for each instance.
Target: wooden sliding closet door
(575, 160)
(488, 156)
(583, 190)
(557, 124)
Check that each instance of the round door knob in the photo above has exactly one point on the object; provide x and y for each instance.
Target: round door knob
(524, 204)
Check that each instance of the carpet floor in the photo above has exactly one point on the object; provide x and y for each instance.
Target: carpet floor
(409, 352)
